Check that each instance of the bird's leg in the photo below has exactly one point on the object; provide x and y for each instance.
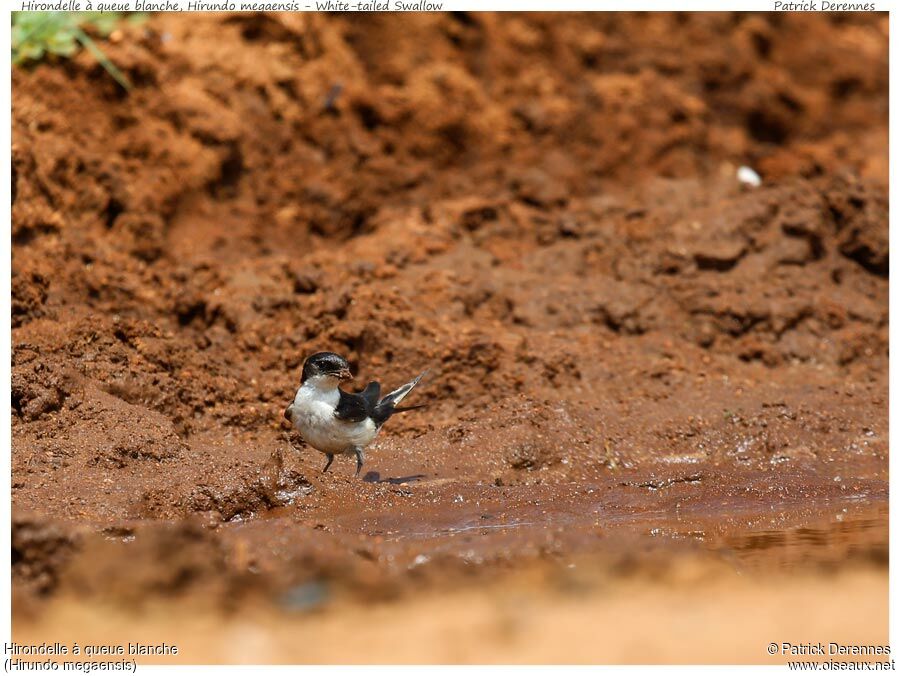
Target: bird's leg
(360, 458)
(328, 464)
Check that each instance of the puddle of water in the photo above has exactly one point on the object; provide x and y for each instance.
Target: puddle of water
(785, 535)
(471, 527)
(846, 537)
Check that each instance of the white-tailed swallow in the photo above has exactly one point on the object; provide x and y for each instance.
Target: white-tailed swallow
(336, 422)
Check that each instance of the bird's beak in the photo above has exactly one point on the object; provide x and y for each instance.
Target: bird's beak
(345, 375)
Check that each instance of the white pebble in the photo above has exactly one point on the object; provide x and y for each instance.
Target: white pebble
(748, 176)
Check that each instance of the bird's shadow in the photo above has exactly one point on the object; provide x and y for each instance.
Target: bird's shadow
(375, 478)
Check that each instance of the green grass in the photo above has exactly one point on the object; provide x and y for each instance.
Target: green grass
(38, 34)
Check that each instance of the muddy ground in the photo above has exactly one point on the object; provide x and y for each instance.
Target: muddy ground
(657, 397)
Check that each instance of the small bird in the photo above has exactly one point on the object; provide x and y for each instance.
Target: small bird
(336, 422)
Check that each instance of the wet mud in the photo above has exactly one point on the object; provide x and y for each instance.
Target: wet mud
(647, 381)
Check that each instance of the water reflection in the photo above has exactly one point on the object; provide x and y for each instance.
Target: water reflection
(861, 536)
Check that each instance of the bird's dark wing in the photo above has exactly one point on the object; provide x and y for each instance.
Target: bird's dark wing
(371, 394)
(351, 407)
(355, 407)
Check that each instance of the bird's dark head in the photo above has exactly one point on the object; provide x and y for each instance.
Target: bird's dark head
(326, 364)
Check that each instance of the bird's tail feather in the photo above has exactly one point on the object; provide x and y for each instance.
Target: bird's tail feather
(388, 405)
(401, 409)
(395, 397)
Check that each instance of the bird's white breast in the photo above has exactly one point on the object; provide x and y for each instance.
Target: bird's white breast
(313, 415)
